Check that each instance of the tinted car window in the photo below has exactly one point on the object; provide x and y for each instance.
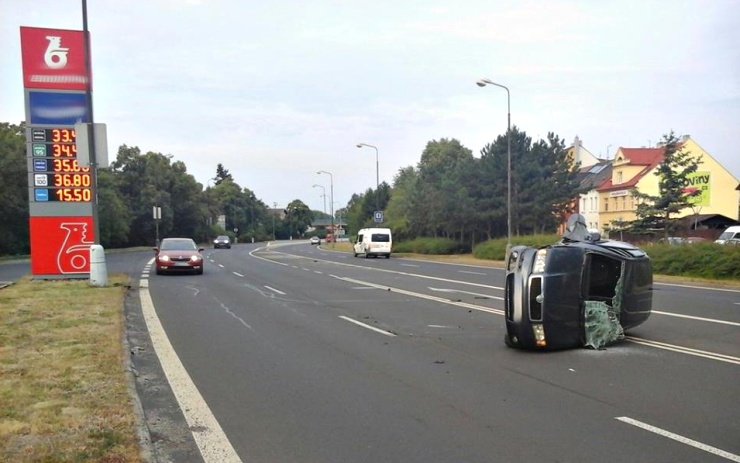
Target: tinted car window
(380, 238)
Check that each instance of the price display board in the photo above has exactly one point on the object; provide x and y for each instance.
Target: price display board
(57, 176)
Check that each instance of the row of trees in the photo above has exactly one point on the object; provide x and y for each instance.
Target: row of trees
(449, 193)
(127, 191)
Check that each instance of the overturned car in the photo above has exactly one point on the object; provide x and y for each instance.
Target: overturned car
(581, 291)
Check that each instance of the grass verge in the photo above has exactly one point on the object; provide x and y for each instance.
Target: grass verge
(63, 390)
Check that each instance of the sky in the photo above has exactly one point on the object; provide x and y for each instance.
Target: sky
(277, 91)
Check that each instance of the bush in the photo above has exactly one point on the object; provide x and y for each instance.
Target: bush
(701, 260)
(434, 246)
(496, 249)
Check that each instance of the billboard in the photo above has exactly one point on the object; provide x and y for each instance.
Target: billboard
(53, 59)
(699, 181)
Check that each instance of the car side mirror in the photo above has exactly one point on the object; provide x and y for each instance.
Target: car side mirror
(156, 250)
(201, 249)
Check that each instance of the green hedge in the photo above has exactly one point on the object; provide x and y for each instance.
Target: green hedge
(701, 260)
(435, 246)
(496, 249)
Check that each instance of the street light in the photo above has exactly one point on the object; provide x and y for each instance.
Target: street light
(377, 174)
(323, 195)
(331, 192)
(483, 83)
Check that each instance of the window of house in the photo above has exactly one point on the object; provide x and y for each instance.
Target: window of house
(606, 205)
(619, 177)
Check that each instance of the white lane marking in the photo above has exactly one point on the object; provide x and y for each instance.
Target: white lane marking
(686, 350)
(446, 290)
(275, 290)
(318, 272)
(409, 265)
(238, 274)
(422, 296)
(221, 265)
(212, 442)
(472, 273)
(691, 317)
(396, 272)
(441, 326)
(681, 439)
(352, 320)
(729, 290)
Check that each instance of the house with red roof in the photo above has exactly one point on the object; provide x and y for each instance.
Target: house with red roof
(635, 168)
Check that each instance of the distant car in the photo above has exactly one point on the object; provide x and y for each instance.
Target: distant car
(315, 240)
(222, 241)
(178, 255)
(696, 239)
(672, 240)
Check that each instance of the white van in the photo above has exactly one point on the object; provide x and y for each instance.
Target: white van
(374, 242)
(729, 236)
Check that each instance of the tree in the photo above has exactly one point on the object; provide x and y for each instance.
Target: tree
(14, 233)
(656, 211)
(222, 174)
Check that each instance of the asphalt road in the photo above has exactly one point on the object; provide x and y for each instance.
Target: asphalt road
(302, 354)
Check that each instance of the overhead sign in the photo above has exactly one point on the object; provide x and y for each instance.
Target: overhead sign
(53, 59)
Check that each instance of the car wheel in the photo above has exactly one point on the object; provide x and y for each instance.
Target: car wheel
(355, 254)
(158, 272)
(367, 255)
(387, 256)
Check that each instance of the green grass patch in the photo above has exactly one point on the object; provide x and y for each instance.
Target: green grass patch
(436, 246)
(63, 390)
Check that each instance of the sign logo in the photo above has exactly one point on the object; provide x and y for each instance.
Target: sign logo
(53, 59)
(55, 56)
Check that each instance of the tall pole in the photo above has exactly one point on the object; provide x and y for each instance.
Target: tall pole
(377, 174)
(483, 83)
(331, 192)
(91, 127)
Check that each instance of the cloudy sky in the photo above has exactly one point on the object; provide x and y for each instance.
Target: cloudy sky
(276, 91)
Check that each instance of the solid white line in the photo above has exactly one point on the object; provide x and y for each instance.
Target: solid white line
(275, 290)
(681, 439)
(212, 442)
(409, 265)
(472, 273)
(351, 320)
(728, 290)
(691, 317)
(423, 296)
(685, 350)
(445, 290)
(238, 274)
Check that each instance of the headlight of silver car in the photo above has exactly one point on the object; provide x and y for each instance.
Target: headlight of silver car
(539, 261)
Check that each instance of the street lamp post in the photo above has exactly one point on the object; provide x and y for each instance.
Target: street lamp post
(331, 193)
(323, 195)
(377, 174)
(483, 83)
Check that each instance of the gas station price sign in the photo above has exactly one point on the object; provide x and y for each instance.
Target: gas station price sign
(57, 176)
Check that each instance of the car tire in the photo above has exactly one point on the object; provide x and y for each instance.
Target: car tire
(367, 255)
(356, 254)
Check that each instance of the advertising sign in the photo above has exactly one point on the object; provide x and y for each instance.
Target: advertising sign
(699, 181)
(61, 195)
(53, 58)
(57, 108)
(62, 245)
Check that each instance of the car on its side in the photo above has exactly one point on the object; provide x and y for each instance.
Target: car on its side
(178, 255)
(579, 292)
(222, 241)
(315, 240)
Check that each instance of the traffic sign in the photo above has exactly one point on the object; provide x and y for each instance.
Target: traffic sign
(378, 216)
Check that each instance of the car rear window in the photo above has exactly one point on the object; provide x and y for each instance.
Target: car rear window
(380, 238)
